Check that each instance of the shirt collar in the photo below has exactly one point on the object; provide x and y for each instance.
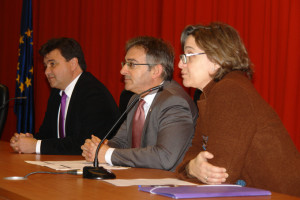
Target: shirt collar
(149, 97)
(69, 89)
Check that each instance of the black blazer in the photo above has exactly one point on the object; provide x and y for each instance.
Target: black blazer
(92, 110)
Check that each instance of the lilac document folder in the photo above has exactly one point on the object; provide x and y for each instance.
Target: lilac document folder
(183, 192)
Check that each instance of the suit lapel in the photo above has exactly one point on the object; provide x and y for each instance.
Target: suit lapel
(152, 107)
(56, 103)
(73, 104)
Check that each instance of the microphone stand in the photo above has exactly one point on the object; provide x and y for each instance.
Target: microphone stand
(97, 172)
(6, 102)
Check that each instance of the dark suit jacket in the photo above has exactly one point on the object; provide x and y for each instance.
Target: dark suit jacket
(92, 110)
(167, 132)
(246, 137)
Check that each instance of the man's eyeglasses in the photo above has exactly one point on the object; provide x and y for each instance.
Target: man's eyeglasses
(132, 65)
(185, 57)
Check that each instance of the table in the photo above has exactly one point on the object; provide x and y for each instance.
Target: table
(65, 186)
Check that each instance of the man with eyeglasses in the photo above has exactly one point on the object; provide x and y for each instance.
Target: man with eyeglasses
(169, 114)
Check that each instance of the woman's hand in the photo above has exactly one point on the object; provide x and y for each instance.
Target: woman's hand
(204, 171)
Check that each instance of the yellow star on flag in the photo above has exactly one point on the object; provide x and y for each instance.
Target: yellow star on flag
(18, 66)
(28, 82)
(28, 32)
(18, 78)
(21, 87)
(31, 70)
(21, 39)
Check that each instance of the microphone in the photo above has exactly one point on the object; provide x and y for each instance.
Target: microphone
(96, 172)
(6, 102)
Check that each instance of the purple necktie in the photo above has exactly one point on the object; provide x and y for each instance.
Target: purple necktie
(62, 115)
(138, 124)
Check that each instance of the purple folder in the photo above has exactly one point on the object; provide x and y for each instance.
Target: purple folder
(184, 192)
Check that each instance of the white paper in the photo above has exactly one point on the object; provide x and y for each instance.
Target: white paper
(71, 165)
(148, 182)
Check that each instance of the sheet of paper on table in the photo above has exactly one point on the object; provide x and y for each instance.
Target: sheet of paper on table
(71, 165)
(152, 182)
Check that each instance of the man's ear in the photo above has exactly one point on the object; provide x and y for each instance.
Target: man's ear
(74, 63)
(157, 70)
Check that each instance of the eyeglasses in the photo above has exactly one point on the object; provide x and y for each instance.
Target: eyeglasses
(132, 65)
(185, 57)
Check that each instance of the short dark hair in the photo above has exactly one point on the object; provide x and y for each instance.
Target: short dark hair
(68, 47)
(157, 51)
(222, 45)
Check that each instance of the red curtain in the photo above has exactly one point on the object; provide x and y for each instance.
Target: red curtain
(270, 30)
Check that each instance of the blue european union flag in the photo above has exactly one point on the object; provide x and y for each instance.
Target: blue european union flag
(24, 109)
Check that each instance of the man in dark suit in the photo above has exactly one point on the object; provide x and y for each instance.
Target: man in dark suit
(88, 109)
(169, 113)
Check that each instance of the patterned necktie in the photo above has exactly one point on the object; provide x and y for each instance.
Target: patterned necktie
(138, 124)
(62, 115)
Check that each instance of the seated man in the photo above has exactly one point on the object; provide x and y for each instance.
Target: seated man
(169, 114)
(88, 107)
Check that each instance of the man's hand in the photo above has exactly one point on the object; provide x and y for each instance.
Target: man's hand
(14, 142)
(23, 143)
(89, 149)
(27, 144)
(204, 171)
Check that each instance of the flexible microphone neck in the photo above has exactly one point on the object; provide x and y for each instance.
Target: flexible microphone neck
(96, 172)
(133, 102)
(6, 102)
